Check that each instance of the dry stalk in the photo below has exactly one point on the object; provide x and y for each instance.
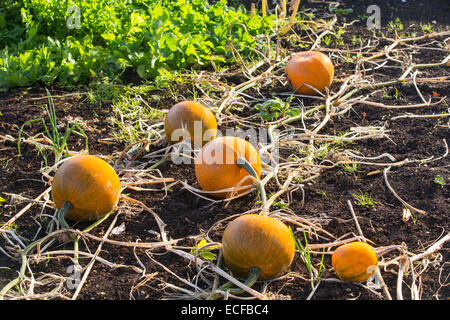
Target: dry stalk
(411, 106)
(21, 212)
(219, 271)
(196, 288)
(67, 253)
(407, 205)
(91, 263)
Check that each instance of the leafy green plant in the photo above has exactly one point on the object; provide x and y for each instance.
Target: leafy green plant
(350, 168)
(356, 39)
(327, 40)
(325, 148)
(395, 25)
(364, 199)
(280, 204)
(57, 140)
(322, 193)
(153, 38)
(346, 58)
(339, 36)
(439, 180)
(396, 94)
(427, 27)
(203, 249)
(276, 108)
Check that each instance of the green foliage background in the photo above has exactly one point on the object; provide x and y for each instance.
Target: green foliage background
(153, 38)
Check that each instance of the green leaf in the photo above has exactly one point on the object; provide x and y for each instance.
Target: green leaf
(170, 41)
(109, 36)
(141, 71)
(205, 253)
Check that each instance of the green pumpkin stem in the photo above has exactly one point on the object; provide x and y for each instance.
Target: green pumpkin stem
(254, 274)
(243, 163)
(160, 162)
(65, 208)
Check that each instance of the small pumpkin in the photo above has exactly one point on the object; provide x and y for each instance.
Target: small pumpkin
(355, 261)
(310, 67)
(89, 184)
(256, 241)
(191, 121)
(219, 165)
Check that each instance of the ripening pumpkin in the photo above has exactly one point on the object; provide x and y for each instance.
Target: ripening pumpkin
(218, 165)
(191, 121)
(310, 67)
(89, 184)
(259, 241)
(355, 261)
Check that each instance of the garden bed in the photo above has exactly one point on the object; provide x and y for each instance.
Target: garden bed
(392, 151)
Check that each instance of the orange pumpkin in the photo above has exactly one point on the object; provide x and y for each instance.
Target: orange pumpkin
(89, 184)
(216, 165)
(191, 121)
(310, 67)
(355, 261)
(263, 242)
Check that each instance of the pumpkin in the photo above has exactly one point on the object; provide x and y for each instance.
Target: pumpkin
(89, 184)
(310, 67)
(257, 241)
(219, 165)
(190, 121)
(355, 261)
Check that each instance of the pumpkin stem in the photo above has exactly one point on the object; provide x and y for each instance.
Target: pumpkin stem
(157, 164)
(252, 277)
(89, 228)
(254, 274)
(243, 163)
(66, 207)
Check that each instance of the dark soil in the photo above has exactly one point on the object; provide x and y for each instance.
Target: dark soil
(325, 197)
